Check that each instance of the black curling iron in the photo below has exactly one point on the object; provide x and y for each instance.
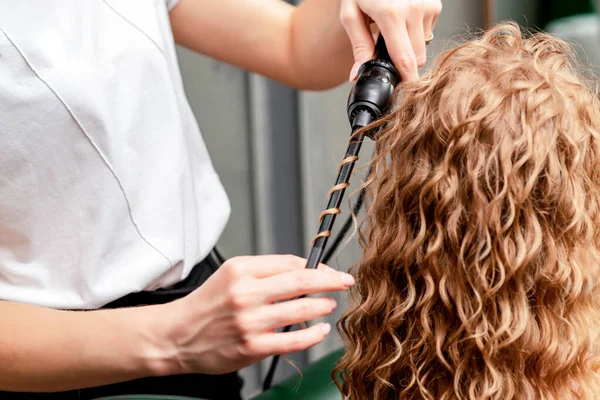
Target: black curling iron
(369, 100)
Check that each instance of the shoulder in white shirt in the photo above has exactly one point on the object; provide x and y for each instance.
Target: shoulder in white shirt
(106, 186)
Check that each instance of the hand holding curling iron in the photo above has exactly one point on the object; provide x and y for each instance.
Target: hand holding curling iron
(230, 321)
(406, 25)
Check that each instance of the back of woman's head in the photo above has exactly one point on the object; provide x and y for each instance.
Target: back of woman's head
(480, 267)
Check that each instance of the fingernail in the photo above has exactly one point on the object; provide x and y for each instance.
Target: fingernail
(326, 328)
(333, 304)
(354, 71)
(348, 279)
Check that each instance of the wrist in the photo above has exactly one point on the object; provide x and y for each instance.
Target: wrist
(156, 344)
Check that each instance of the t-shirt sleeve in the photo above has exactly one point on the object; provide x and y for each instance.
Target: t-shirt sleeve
(171, 4)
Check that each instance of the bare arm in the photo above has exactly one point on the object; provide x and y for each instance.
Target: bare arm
(315, 46)
(225, 325)
(305, 47)
(48, 350)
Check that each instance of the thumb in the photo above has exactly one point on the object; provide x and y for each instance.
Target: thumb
(358, 31)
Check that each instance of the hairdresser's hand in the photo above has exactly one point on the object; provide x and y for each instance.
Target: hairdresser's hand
(229, 322)
(405, 25)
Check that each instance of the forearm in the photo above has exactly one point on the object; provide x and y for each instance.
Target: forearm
(49, 350)
(304, 47)
(252, 35)
(320, 46)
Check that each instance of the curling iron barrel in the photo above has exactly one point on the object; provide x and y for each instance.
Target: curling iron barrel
(368, 101)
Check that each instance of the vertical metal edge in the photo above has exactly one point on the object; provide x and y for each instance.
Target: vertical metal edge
(260, 126)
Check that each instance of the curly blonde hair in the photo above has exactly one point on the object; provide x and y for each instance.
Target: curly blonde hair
(481, 252)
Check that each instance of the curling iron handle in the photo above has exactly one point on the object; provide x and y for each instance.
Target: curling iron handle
(381, 51)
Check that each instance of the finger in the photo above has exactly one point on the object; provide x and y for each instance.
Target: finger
(266, 265)
(435, 17)
(428, 24)
(359, 32)
(430, 19)
(400, 48)
(303, 282)
(270, 344)
(427, 28)
(435, 10)
(417, 39)
(375, 32)
(290, 312)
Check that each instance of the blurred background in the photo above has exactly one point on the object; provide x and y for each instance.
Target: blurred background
(277, 149)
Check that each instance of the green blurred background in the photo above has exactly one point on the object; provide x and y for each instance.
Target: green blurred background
(550, 10)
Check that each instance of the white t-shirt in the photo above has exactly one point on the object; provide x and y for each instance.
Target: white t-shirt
(106, 186)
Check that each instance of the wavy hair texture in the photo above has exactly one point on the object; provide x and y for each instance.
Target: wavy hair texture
(481, 252)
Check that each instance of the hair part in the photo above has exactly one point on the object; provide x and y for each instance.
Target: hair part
(481, 259)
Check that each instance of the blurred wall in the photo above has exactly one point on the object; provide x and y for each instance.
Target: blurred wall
(525, 12)
(581, 28)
